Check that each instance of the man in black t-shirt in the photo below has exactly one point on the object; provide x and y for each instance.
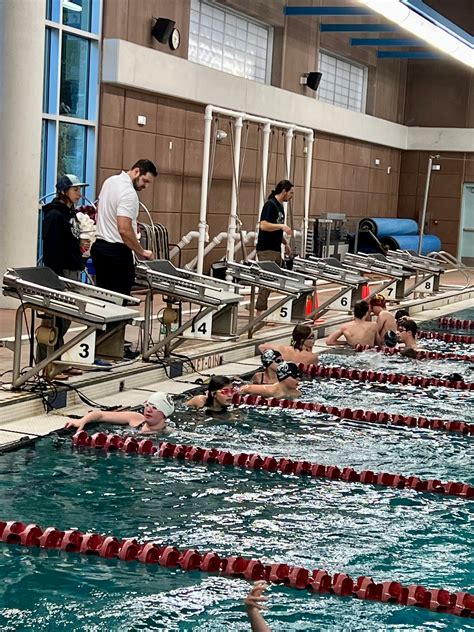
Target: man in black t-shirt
(272, 229)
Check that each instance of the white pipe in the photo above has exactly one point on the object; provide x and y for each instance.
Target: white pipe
(307, 190)
(185, 240)
(214, 242)
(267, 130)
(247, 236)
(235, 193)
(288, 147)
(204, 187)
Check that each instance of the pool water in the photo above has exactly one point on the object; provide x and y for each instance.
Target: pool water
(386, 533)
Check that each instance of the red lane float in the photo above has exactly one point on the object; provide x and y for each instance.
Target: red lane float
(129, 549)
(441, 335)
(455, 323)
(359, 415)
(297, 468)
(318, 370)
(421, 354)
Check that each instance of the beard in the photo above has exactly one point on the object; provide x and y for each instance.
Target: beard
(136, 186)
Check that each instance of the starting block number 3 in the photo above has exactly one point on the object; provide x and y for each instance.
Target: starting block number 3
(83, 352)
(200, 328)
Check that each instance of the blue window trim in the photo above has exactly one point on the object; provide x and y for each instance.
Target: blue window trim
(92, 104)
(52, 76)
(55, 11)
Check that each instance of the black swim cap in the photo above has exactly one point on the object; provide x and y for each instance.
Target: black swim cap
(269, 356)
(390, 338)
(454, 377)
(287, 369)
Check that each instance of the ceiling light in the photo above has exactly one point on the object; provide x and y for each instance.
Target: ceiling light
(431, 33)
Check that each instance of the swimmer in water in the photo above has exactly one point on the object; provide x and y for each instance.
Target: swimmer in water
(407, 330)
(158, 407)
(300, 349)
(385, 320)
(358, 331)
(286, 387)
(218, 397)
(270, 361)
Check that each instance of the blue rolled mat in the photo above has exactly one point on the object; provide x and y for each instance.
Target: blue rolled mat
(385, 226)
(431, 243)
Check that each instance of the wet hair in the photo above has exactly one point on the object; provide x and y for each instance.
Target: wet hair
(401, 313)
(409, 325)
(216, 383)
(409, 353)
(299, 335)
(360, 309)
(283, 185)
(145, 166)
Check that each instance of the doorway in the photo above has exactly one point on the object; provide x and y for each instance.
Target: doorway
(466, 228)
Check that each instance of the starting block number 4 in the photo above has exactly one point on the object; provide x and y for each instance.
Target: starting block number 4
(200, 328)
(83, 352)
(343, 303)
(283, 314)
(390, 291)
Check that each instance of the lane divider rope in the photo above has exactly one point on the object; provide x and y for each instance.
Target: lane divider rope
(381, 418)
(441, 335)
(319, 581)
(130, 445)
(318, 370)
(421, 354)
(456, 323)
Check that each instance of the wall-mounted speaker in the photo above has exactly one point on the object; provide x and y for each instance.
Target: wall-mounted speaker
(313, 79)
(162, 29)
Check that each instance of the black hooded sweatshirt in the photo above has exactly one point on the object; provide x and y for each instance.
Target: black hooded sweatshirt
(61, 234)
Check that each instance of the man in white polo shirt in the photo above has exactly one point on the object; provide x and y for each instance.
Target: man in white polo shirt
(112, 252)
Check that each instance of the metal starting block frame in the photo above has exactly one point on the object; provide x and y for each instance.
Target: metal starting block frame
(427, 271)
(42, 290)
(269, 275)
(216, 297)
(393, 288)
(331, 270)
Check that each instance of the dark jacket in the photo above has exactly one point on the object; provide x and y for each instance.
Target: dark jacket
(61, 234)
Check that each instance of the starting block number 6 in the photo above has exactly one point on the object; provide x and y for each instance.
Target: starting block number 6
(343, 303)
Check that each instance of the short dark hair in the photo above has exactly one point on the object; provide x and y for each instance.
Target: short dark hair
(401, 313)
(145, 166)
(283, 185)
(409, 325)
(360, 309)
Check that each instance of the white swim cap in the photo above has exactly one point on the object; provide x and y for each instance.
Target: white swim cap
(163, 402)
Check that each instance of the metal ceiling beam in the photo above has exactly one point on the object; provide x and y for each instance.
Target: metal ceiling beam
(358, 28)
(385, 41)
(326, 11)
(402, 54)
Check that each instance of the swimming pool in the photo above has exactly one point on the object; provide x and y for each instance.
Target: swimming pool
(386, 533)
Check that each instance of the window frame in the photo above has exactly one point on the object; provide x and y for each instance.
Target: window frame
(268, 27)
(351, 62)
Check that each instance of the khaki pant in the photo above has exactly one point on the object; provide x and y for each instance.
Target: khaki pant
(263, 294)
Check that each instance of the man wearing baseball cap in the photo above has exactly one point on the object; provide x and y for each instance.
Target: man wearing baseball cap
(158, 407)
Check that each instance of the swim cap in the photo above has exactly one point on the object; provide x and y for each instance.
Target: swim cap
(378, 301)
(163, 402)
(454, 377)
(390, 338)
(287, 369)
(269, 356)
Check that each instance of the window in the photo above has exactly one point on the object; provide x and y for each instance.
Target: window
(74, 92)
(230, 42)
(77, 13)
(343, 83)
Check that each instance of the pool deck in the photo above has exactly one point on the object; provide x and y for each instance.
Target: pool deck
(22, 416)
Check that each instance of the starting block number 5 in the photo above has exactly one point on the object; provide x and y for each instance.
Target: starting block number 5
(82, 353)
(200, 328)
(283, 314)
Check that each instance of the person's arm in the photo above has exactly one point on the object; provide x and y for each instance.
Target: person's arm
(121, 418)
(269, 227)
(54, 241)
(125, 228)
(268, 345)
(197, 401)
(265, 390)
(254, 603)
(333, 339)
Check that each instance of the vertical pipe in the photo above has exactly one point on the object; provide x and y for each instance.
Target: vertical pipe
(235, 189)
(267, 130)
(288, 147)
(307, 191)
(202, 227)
(425, 203)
